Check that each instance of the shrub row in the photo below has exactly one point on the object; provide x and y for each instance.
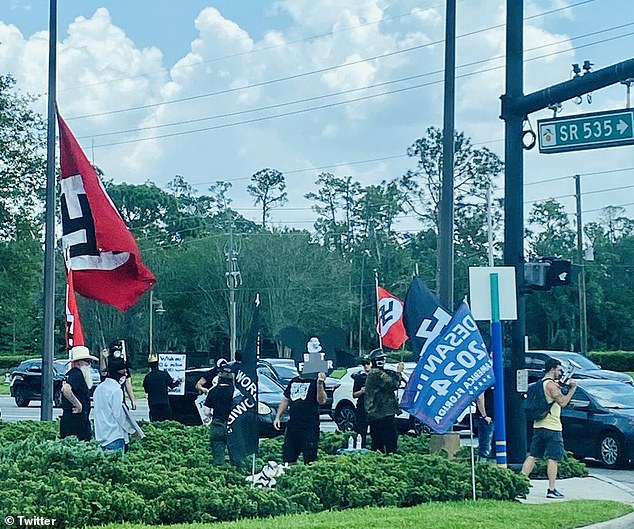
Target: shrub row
(614, 360)
(11, 361)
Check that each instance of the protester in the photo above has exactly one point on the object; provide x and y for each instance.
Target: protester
(484, 422)
(156, 384)
(117, 350)
(380, 402)
(358, 392)
(219, 401)
(547, 433)
(76, 387)
(305, 396)
(206, 381)
(113, 424)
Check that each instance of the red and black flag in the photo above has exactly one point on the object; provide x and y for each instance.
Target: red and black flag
(390, 316)
(99, 247)
(74, 331)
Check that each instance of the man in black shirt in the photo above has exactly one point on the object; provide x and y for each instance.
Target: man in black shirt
(220, 401)
(76, 396)
(358, 392)
(156, 384)
(305, 396)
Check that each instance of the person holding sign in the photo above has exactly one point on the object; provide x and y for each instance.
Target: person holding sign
(380, 402)
(156, 384)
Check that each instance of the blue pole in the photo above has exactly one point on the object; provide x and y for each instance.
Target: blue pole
(498, 370)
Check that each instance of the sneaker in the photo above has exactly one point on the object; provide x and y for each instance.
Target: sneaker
(554, 494)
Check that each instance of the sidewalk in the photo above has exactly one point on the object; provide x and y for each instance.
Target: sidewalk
(590, 488)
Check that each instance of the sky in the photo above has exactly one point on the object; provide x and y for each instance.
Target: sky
(217, 90)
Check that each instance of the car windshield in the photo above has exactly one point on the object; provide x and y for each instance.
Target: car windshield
(615, 395)
(61, 366)
(578, 361)
(285, 371)
(266, 385)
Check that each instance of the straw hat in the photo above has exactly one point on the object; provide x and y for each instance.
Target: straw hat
(81, 352)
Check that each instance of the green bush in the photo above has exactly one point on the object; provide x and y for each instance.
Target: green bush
(569, 467)
(11, 361)
(614, 360)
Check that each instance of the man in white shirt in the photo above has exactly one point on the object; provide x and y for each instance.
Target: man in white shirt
(113, 424)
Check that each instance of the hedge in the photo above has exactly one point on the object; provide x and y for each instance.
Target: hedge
(168, 478)
(11, 361)
(613, 360)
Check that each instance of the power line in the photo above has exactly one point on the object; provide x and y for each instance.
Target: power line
(310, 72)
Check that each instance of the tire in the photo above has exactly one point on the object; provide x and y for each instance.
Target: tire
(345, 417)
(21, 399)
(612, 450)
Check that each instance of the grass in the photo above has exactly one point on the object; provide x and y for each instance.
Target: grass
(462, 515)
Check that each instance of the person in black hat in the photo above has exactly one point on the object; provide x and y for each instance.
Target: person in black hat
(358, 392)
(219, 401)
(117, 350)
(156, 384)
(380, 402)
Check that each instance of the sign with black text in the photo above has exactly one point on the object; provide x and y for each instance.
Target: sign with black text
(454, 369)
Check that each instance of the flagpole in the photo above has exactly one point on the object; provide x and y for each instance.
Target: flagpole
(378, 316)
(257, 393)
(46, 410)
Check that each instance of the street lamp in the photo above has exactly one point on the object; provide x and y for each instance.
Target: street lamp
(155, 305)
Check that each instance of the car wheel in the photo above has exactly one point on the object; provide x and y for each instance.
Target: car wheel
(611, 450)
(21, 399)
(345, 417)
(57, 398)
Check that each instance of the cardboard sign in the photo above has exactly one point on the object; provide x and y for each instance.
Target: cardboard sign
(174, 364)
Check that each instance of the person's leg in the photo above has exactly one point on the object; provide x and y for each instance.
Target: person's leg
(292, 447)
(85, 431)
(310, 444)
(537, 449)
(218, 443)
(551, 471)
(375, 433)
(115, 446)
(391, 436)
(64, 425)
(555, 453)
(481, 425)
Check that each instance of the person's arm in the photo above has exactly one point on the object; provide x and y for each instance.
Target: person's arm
(558, 396)
(321, 389)
(480, 403)
(118, 413)
(280, 410)
(130, 392)
(102, 361)
(173, 382)
(200, 385)
(67, 391)
(358, 389)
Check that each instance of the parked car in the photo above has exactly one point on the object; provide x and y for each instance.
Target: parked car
(270, 394)
(344, 405)
(26, 381)
(283, 370)
(583, 367)
(599, 422)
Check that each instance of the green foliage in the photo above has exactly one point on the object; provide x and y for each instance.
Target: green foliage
(614, 360)
(569, 467)
(11, 361)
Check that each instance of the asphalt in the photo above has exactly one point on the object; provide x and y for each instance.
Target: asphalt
(594, 487)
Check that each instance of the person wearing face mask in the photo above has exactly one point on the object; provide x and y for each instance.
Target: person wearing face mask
(113, 425)
(75, 418)
(381, 405)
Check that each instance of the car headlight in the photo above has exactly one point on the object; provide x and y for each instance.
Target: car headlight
(263, 409)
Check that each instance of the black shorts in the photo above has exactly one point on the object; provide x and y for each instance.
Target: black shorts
(547, 443)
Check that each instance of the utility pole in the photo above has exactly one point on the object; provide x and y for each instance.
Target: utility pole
(490, 227)
(446, 224)
(46, 409)
(234, 280)
(515, 108)
(583, 315)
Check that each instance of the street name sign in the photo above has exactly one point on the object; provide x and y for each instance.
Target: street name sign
(587, 131)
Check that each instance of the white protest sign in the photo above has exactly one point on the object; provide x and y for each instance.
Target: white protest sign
(480, 292)
(174, 364)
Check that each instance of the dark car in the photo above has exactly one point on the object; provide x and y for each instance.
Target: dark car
(581, 366)
(283, 370)
(26, 381)
(599, 422)
(270, 394)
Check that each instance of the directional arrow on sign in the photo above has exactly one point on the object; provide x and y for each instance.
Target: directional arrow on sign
(621, 126)
(562, 276)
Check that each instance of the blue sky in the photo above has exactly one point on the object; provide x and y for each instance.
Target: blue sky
(119, 55)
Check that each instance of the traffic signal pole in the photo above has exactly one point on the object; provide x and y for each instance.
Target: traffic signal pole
(515, 108)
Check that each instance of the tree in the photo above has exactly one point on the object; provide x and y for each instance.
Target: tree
(268, 190)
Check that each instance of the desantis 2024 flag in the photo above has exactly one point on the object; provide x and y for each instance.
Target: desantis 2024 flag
(454, 369)
(99, 248)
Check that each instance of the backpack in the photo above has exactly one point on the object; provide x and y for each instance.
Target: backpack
(536, 406)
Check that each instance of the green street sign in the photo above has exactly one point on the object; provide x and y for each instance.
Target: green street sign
(587, 131)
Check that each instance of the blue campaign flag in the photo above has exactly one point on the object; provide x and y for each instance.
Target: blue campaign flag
(423, 316)
(454, 369)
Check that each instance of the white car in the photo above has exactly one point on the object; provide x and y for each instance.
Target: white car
(344, 405)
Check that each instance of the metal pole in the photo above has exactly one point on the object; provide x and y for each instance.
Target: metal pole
(46, 410)
(498, 370)
(514, 223)
(473, 480)
(379, 328)
(446, 224)
(583, 316)
(231, 280)
(490, 227)
(151, 346)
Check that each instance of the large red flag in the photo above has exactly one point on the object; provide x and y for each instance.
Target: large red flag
(100, 250)
(74, 331)
(390, 312)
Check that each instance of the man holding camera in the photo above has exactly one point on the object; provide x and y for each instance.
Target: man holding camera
(547, 437)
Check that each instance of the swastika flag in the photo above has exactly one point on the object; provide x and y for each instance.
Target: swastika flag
(99, 248)
(390, 315)
(74, 331)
